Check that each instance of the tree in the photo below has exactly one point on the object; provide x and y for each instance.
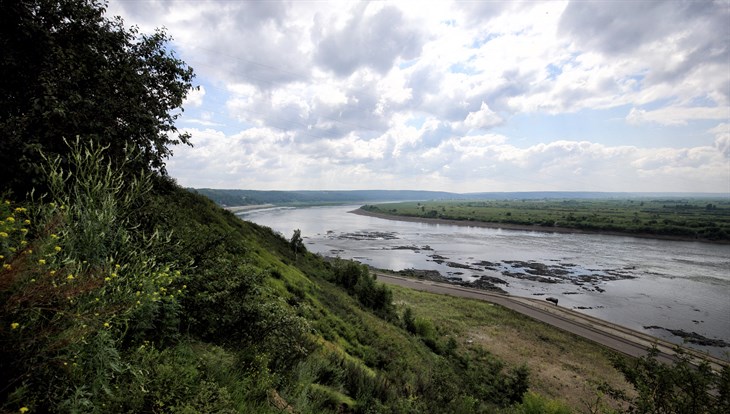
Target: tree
(296, 242)
(678, 388)
(66, 70)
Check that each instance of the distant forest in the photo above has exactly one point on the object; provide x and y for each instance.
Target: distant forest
(230, 198)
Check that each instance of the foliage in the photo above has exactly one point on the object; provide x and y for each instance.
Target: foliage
(80, 288)
(536, 404)
(358, 281)
(675, 388)
(67, 70)
(296, 243)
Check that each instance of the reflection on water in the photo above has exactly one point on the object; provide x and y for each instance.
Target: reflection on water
(676, 285)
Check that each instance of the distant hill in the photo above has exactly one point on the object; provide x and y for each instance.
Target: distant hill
(252, 197)
(249, 197)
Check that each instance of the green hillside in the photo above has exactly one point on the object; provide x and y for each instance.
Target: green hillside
(131, 294)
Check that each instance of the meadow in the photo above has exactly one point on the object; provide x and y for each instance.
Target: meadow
(689, 219)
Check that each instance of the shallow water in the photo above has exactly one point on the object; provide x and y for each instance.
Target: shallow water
(631, 281)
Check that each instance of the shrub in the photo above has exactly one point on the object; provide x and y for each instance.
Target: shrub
(82, 288)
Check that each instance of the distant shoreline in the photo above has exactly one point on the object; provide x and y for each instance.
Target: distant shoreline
(532, 227)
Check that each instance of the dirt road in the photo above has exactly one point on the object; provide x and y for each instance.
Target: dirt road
(621, 339)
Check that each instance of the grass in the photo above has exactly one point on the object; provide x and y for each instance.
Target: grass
(563, 366)
(704, 219)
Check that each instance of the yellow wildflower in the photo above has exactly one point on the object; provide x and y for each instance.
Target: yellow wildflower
(7, 202)
(106, 279)
(2, 257)
(57, 248)
(70, 277)
(20, 209)
(114, 275)
(26, 221)
(24, 410)
(41, 261)
(10, 219)
(106, 324)
(24, 231)
(14, 325)
(23, 242)
(3, 234)
(117, 266)
(54, 236)
(7, 266)
(52, 272)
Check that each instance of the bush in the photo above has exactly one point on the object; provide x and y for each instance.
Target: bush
(678, 388)
(79, 284)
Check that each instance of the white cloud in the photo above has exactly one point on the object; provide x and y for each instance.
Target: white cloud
(677, 115)
(483, 118)
(722, 139)
(453, 96)
(194, 98)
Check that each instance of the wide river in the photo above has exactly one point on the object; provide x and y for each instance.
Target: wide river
(654, 286)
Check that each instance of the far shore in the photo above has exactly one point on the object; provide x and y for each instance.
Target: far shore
(523, 227)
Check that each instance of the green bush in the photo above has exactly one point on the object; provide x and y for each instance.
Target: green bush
(83, 287)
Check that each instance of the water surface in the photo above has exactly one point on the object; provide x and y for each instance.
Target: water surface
(634, 282)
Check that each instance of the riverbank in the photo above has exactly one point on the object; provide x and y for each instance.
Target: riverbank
(522, 227)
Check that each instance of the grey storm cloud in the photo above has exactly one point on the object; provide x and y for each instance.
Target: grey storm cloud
(369, 41)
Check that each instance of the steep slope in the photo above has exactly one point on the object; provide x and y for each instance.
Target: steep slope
(130, 294)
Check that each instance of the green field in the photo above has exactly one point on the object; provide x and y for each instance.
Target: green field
(701, 219)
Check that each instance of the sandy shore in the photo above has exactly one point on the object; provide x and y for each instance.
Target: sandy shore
(241, 209)
(522, 227)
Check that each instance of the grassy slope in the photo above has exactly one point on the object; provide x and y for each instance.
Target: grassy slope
(260, 328)
(563, 366)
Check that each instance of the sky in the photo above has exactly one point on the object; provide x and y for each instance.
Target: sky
(461, 96)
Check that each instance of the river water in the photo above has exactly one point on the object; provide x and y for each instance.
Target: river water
(635, 282)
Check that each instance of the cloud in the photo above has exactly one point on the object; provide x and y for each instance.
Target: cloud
(483, 118)
(465, 96)
(677, 115)
(194, 98)
(372, 41)
(621, 27)
(474, 163)
(722, 139)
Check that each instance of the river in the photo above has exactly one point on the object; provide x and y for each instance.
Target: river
(654, 286)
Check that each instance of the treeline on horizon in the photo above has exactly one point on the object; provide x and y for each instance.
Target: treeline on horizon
(233, 198)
